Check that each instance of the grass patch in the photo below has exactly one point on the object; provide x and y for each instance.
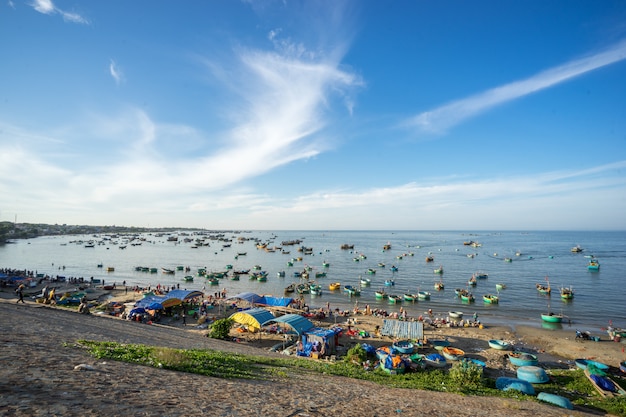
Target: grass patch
(466, 381)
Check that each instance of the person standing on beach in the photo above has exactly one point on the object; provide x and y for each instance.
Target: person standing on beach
(20, 294)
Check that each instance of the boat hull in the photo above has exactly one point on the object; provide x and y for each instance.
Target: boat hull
(505, 384)
(556, 400)
(523, 359)
(499, 344)
(532, 374)
(552, 318)
(452, 354)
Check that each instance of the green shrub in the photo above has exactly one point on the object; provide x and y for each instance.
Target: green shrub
(466, 375)
(220, 329)
(356, 354)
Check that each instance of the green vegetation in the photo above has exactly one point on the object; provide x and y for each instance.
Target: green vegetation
(220, 329)
(467, 379)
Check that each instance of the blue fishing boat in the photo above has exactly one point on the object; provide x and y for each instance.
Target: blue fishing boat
(555, 400)
(505, 384)
(523, 359)
(404, 346)
(584, 363)
(435, 360)
(499, 344)
(532, 374)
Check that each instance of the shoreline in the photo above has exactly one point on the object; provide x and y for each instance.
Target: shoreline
(557, 347)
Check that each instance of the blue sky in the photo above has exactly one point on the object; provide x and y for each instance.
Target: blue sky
(451, 115)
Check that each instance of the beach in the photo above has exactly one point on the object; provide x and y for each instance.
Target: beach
(39, 376)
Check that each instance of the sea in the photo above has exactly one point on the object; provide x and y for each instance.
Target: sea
(516, 259)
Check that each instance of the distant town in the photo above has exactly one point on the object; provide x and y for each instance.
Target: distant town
(10, 231)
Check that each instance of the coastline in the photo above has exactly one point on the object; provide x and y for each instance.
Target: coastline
(552, 345)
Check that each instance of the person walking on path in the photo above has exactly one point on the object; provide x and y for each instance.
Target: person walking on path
(184, 315)
(20, 294)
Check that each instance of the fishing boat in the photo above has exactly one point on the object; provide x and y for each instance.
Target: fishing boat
(532, 374)
(325, 264)
(410, 297)
(554, 399)
(584, 363)
(576, 249)
(491, 299)
(371, 271)
(622, 366)
(423, 295)
(188, 278)
(468, 297)
(518, 358)
(404, 346)
(605, 386)
(394, 299)
(394, 268)
(303, 289)
(390, 282)
(593, 265)
(500, 286)
(429, 259)
(552, 317)
(290, 288)
(439, 286)
(393, 364)
(365, 281)
(499, 344)
(567, 293)
(452, 353)
(504, 383)
(381, 264)
(435, 360)
(168, 271)
(334, 286)
(440, 344)
(472, 281)
(455, 314)
(438, 270)
(543, 289)
(351, 290)
(465, 362)
(380, 294)
(481, 275)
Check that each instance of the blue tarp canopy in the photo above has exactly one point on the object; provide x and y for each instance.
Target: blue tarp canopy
(253, 318)
(170, 299)
(263, 300)
(298, 323)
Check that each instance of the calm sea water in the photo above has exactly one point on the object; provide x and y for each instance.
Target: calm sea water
(599, 296)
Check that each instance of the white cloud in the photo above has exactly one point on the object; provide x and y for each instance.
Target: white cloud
(47, 7)
(44, 6)
(449, 115)
(115, 72)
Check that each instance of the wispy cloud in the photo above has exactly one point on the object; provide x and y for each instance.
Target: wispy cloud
(449, 115)
(439, 201)
(115, 72)
(47, 7)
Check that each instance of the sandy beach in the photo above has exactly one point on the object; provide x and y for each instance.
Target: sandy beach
(38, 376)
